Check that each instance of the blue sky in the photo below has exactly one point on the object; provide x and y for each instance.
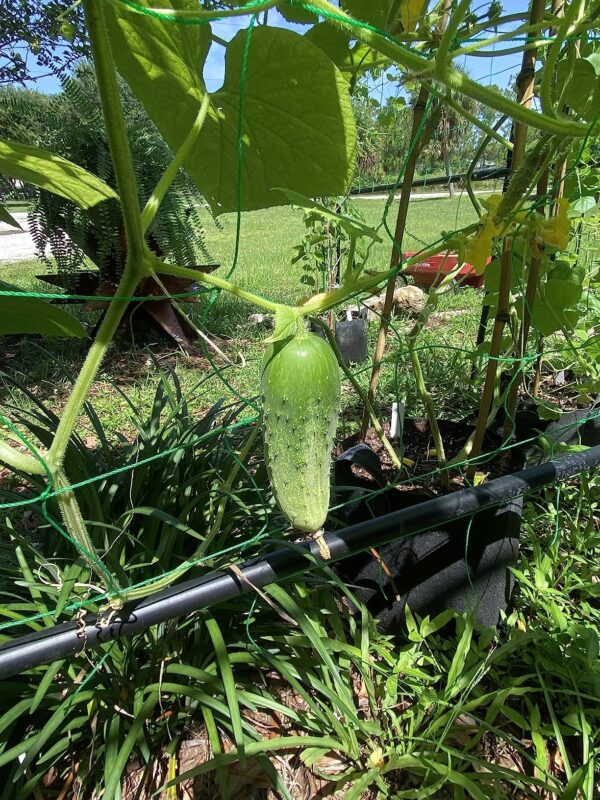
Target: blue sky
(498, 70)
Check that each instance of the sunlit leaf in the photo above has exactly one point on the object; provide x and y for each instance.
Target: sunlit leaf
(336, 43)
(374, 12)
(286, 324)
(291, 135)
(583, 86)
(50, 172)
(32, 315)
(295, 14)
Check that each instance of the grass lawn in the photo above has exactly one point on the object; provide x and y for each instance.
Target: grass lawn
(511, 712)
(264, 267)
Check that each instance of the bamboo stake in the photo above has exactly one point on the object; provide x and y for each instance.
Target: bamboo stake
(533, 277)
(525, 93)
(396, 255)
(395, 259)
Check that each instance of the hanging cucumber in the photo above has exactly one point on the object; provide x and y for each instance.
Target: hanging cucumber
(301, 400)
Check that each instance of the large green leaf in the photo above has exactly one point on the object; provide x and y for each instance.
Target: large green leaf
(296, 14)
(336, 44)
(7, 217)
(374, 12)
(583, 87)
(557, 298)
(50, 172)
(32, 315)
(297, 128)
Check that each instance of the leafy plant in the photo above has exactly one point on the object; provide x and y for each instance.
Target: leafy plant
(266, 128)
(74, 238)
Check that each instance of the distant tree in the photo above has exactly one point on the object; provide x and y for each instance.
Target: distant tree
(34, 43)
(77, 239)
(23, 115)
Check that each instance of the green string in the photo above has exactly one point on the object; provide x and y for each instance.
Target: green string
(151, 12)
(261, 536)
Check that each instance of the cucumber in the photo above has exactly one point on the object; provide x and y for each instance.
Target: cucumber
(301, 390)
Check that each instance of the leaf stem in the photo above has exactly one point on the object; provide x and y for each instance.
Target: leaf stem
(171, 171)
(136, 264)
(493, 134)
(198, 13)
(116, 131)
(501, 37)
(20, 461)
(96, 353)
(450, 77)
(75, 525)
(443, 57)
(220, 283)
(548, 72)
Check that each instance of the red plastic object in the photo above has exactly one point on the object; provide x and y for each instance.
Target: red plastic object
(431, 272)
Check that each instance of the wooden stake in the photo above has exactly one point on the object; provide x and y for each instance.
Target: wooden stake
(525, 92)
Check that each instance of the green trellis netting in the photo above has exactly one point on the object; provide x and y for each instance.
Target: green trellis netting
(241, 419)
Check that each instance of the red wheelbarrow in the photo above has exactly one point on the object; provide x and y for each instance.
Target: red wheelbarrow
(431, 272)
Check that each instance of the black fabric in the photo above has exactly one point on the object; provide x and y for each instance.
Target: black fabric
(429, 569)
(431, 574)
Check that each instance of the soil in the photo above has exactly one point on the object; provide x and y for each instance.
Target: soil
(419, 448)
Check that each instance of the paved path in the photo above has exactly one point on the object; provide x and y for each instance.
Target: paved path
(16, 245)
(417, 195)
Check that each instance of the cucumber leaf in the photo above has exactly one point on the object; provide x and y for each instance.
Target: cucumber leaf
(353, 227)
(373, 12)
(300, 16)
(32, 315)
(291, 136)
(286, 324)
(583, 86)
(336, 43)
(53, 173)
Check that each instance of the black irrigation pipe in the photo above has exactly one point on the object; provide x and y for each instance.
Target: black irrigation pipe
(69, 638)
(487, 174)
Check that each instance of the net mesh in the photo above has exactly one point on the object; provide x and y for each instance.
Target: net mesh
(230, 427)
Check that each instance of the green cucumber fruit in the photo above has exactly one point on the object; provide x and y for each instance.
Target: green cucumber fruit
(301, 391)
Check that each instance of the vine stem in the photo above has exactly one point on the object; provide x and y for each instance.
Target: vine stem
(396, 255)
(363, 396)
(213, 280)
(419, 137)
(135, 266)
(443, 56)
(422, 390)
(525, 88)
(532, 279)
(200, 14)
(477, 123)
(20, 461)
(316, 305)
(74, 523)
(450, 77)
(169, 174)
(477, 45)
(94, 358)
(548, 73)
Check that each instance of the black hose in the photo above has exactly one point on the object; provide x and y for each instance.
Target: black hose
(69, 638)
(487, 174)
